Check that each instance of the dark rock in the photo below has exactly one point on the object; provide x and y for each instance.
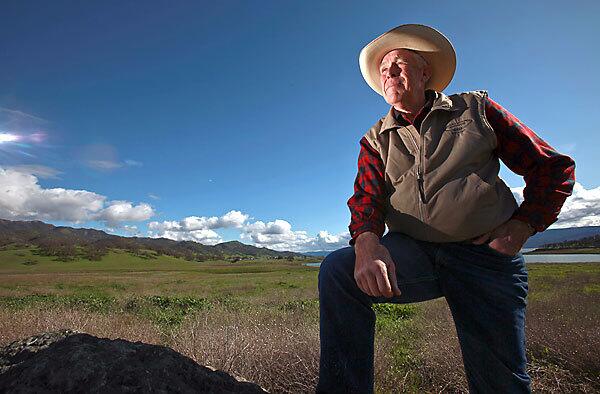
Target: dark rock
(70, 362)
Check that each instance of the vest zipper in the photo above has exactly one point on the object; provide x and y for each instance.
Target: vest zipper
(420, 179)
(422, 171)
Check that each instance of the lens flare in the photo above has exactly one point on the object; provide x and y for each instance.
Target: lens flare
(7, 137)
(21, 134)
(40, 136)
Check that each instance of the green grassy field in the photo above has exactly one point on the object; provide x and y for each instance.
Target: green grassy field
(121, 274)
(259, 318)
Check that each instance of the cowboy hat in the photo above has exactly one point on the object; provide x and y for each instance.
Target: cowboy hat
(426, 41)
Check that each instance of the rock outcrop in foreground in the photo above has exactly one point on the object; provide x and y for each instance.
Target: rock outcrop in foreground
(68, 362)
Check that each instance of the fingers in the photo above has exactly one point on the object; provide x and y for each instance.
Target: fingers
(363, 284)
(393, 279)
(375, 274)
(380, 282)
(368, 287)
(373, 287)
(383, 283)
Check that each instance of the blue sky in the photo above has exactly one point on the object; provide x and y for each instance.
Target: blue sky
(160, 111)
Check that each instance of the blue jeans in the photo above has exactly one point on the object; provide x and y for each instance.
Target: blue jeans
(485, 290)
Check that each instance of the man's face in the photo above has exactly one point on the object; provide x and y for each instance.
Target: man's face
(402, 72)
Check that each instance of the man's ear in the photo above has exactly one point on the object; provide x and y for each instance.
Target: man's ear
(426, 73)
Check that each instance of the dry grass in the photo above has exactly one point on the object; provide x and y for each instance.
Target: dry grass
(279, 351)
(276, 344)
(15, 325)
(563, 342)
(396, 368)
(441, 366)
(563, 339)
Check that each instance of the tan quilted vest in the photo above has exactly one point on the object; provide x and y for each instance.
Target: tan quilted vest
(442, 180)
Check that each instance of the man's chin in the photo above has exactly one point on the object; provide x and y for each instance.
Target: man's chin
(392, 99)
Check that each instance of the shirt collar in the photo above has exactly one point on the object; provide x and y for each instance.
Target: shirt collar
(435, 100)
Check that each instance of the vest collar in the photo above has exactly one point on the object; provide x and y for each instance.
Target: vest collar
(440, 101)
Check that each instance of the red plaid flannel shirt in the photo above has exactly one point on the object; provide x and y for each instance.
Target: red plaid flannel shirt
(549, 176)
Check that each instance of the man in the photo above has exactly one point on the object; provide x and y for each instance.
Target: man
(429, 170)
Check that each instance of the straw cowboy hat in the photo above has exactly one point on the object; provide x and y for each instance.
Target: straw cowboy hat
(425, 40)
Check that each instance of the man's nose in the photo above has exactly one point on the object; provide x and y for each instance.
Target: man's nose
(393, 71)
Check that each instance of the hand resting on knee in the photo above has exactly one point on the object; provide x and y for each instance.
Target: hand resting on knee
(374, 269)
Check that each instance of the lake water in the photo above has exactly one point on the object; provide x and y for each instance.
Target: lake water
(562, 258)
(543, 258)
(312, 264)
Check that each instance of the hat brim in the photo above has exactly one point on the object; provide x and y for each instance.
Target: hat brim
(428, 42)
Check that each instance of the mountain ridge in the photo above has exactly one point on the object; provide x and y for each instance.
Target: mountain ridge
(561, 235)
(64, 241)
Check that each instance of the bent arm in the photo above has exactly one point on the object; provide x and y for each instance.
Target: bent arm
(367, 209)
(549, 176)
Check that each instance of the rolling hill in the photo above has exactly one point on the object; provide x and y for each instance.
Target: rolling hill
(68, 241)
(561, 235)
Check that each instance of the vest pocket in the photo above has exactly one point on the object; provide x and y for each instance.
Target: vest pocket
(398, 166)
(477, 191)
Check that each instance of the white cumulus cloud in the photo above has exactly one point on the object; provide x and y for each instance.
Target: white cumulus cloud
(326, 241)
(580, 209)
(204, 236)
(22, 198)
(197, 228)
(278, 235)
(124, 211)
(232, 219)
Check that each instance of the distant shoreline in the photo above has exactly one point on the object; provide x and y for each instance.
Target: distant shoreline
(565, 251)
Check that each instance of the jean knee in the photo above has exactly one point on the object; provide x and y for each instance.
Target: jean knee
(337, 265)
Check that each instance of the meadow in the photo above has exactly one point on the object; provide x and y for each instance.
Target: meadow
(259, 318)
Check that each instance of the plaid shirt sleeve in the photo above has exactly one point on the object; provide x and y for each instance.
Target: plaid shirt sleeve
(367, 209)
(549, 176)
